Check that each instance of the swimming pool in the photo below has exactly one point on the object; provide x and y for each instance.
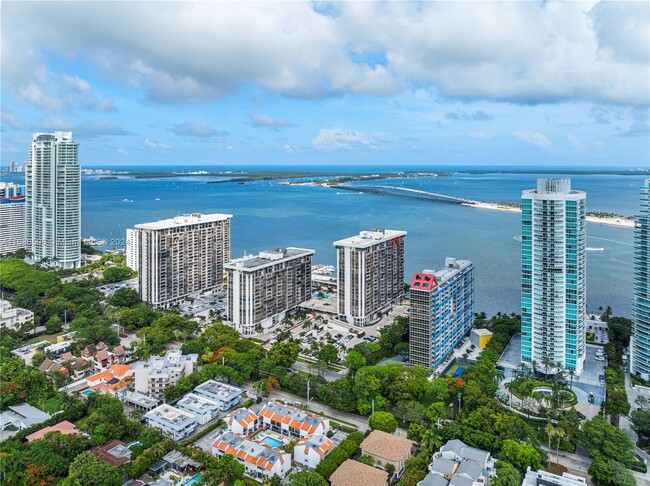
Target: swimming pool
(325, 296)
(87, 393)
(270, 441)
(193, 480)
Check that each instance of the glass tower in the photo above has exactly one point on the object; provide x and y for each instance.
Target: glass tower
(53, 200)
(640, 342)
(553, 275)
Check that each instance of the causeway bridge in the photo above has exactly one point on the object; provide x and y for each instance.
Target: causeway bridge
(406, 192)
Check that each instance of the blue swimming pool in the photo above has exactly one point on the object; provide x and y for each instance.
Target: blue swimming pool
(270, 441)
(87, 393)
(193, 480)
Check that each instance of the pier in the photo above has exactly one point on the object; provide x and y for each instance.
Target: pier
(410, 193)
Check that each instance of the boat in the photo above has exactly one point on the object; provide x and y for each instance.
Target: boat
(595, 249)
(92, 241)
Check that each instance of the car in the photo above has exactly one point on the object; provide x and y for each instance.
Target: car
(601, 377)
(599, 358)
(591, 398)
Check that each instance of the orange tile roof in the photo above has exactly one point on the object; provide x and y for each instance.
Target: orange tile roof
(64, 427)
(120, 369)
(354, 473)
(388, 446)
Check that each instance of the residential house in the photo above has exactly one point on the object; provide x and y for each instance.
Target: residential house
(354, 473)
(65, 427)
(386, 449)
(114, 378)
(456, 450)
(180, 462)
(545, 478)
(153, 376)
(242, 421)
(310, 451)
(137, 400)
(50, 367)
(292, 421)
(113, 452)
(203, 409)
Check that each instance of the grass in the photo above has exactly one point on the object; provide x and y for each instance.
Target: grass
(52, 405)
(450, 372)
(521, 388)
(51, 338)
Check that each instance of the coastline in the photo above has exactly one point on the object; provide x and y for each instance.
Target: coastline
(624, 223)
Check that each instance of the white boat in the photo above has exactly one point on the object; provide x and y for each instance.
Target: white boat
(595, 249)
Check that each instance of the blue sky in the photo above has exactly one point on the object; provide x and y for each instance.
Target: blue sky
(436, 83)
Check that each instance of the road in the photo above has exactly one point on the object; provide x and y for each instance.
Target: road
(329, 375)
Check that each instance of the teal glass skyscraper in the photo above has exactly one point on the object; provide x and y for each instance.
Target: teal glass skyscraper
(553, 275)
(640, 341)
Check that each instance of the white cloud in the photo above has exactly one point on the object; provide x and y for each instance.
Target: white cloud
(55, 123)
(10, 120)
(262, 120)
(156, 145)
(524, 52)
(122, 152)
(196, 129)
(575, 141)
(535, 138)
(340, 139)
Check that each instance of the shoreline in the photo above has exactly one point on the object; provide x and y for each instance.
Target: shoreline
(620, 222)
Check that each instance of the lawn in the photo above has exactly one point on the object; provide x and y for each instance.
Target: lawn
(52, 405)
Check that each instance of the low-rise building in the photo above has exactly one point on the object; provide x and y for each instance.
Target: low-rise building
(545, 478)
(152, 376)
(19, 417)
(310, 451)
(115, 452)
(480, 337)
(138, 400)
(180, 462)
(116, 377)
(242, 421)
(50, 367)
(387, 448)
(65, 428)
(13, 318)
(227, 396)
(26, 353)
(171, 421)
(260, 460)
(456, 450)
(292, 421)
(443, 467)
(203, 409)
(354, 473)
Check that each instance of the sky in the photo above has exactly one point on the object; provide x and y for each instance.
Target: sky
(402, 83)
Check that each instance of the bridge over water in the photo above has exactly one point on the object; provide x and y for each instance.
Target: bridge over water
(410, 193)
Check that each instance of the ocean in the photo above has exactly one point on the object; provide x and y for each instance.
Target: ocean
(267, 214)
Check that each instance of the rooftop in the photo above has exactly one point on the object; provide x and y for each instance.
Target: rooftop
(30, 348)
(366, 239)
(139, 399)
(294, 417)
(267, 258)
(545, 478)
(184, 220)
(114, 452)
(249, 450)
(171, 416)
(319, 443)
(180, 460)
(221, 391)
(194, 401)
(433, 479)
(430, 279)
(64, 427)
(242, 415)
(354, 473)
(442, 466)
(461, 449)
(386, 445)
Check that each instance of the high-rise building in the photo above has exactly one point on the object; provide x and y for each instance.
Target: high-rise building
(640, 341)
(441, 312)
(10, 189)
(182, 255)
(370, 274)
(12, 217)
(53, 200)
(553, 279)
(263, 288)
(131, 244)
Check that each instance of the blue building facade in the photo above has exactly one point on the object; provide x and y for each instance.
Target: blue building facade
(640, 342)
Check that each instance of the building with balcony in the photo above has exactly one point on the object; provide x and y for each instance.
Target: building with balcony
(310, 451)
(554, 271)
(203, 409)
(152, 376)
(242, 421)
(171, 421)
(640, 340)
(291, 421)
(224, 395)
(260, 460)
(263, 288)
(441, 312)
(13, 318)
(12, 223)
(370, 274)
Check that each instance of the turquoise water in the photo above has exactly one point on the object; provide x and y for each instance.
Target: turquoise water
(88, 393)
(193, 480)
(325, 296)
(269, 215)
(270, 441)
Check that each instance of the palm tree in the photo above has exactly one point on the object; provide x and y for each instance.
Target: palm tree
(535, 365)
(559, 435)
(549, 429)
(499, 376)
(509, 388)
(547, 363)
(572, 376)
(429, 441)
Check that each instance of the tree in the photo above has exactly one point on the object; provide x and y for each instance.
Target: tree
(507, 475)
(354, 361)
(307, 478)
(601, 438)
(521, 456)
(116, 273)
(382, 421)
(88, 470)
(125, 297)
(366, 459)
(223, 469)
(641, 425)
(328, 353)
(53, 325)
(284, 354)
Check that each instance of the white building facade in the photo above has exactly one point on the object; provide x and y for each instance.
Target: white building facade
(554, 271)
(53, 200)
(203, 409)
(640, 340)
(173, 422)
(13, 318)
(12, 224)
(224, 395)
(370, 278)
(152, 376)
(263, 288)
(310, 451)
(131, 249)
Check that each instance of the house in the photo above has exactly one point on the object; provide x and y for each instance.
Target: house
(545, 478)
(443, 467)
(434, 479)
(227, 396)
(292, 421)
(119, 354)
(310, 451)
(456, 450)
(137, 400)
(259, 460)
(203, 409)
(180, 462)
(117, 376)
(19, 417)
(354, 473)
(470, 473)
(26, 353)
(102, 358)
(171, 421)
(113, 452)
(460, 465)
(242, 421)
(65, 427)
(13, 318)
(48, 366)
(387, 448)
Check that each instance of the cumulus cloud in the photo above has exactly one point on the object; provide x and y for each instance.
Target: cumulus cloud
(10, 120)
(534, 138)
(637, 129)
(155, 145)
(478, 115)
(523, 52)
(340, 139)
(122, 152)
(88, 129)
(261, 120)
(196, 129)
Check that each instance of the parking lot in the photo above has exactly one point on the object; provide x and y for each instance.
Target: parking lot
(202, 304)
(109, 289)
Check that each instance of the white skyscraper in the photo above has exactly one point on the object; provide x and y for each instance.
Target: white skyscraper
(640, 342)
(553, 280)
(53, 200)
(132, 249)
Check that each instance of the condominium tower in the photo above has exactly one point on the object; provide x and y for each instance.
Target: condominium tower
(640, 341)
(263, 288)
(131, 249)
(182, 255)
(370, 274)
(553, 279)
(441, 313)
(12, 223)
(53, 200)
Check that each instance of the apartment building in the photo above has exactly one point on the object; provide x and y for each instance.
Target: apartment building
(553, 274)
(53, 200)
(182, 255)
(291, 421)
(640, 341)
(171, 421)
(263, 288)
(441, 312)
(310, 451)
(203, 409)
(370, 269)
(13, 318)
(260, 460)
(224, 395)
(152, 376)
(12, 224)
(131, 249)
(242, 421)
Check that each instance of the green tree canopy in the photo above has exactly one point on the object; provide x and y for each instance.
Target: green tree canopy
(284, 354)
(307, 478)
(521, 456)
(125, 297)
(601, 438)
(382, 421)
(88, 470)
